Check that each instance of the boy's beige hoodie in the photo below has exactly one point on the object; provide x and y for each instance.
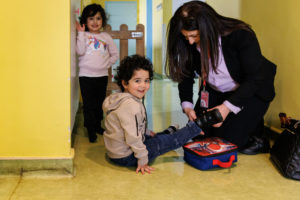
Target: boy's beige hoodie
(125, 127)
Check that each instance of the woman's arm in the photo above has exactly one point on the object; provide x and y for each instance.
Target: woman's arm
(128, 115)
(134, 139)
(185, 87)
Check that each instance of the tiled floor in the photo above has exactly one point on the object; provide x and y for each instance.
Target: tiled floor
(252, 177)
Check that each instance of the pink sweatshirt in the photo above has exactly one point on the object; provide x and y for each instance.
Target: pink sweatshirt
(97, 52)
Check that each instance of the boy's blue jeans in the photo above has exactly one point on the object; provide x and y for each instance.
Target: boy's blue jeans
(162, 143)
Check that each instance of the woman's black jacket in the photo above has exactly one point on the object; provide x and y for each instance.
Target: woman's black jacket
(246, 65)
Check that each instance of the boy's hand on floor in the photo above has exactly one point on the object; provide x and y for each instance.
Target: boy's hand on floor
(144, 168)
(152, 134)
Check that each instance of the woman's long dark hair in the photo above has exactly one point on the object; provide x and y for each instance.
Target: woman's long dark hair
(197, 15)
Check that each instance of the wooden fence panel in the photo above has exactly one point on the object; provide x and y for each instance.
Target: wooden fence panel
(124, 35)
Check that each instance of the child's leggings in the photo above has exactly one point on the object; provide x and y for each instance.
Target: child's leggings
(93, 91)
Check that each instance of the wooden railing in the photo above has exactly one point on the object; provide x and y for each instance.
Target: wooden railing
(124, 35)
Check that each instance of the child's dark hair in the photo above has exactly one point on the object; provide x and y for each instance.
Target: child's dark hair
(90, 11)
(129, 65)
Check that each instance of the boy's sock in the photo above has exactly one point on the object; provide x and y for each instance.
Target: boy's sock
(171, 129)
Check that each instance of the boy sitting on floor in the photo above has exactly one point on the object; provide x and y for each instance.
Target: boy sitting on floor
(127, 141)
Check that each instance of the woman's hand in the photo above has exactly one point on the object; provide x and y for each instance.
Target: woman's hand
(190, 113)
(224, 110)
(80, 28)
(144, 168)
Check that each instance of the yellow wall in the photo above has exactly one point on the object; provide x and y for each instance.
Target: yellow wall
(35, 79)
(167, 11)
(277, 26)
(228, 8)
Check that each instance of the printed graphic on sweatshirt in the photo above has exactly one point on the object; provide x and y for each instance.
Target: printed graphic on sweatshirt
(140, 126)
(95, 44)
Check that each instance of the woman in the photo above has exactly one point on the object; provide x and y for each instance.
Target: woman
(236, 78)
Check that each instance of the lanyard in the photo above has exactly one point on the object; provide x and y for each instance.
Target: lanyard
(204, 84)
(204, 96)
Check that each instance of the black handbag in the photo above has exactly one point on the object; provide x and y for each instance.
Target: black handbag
(285, 153)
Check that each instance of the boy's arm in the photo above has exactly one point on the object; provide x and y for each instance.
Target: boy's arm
(80, 45)
(144, 168)
(127, 116)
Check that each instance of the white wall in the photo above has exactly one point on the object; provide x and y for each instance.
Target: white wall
(75, 5)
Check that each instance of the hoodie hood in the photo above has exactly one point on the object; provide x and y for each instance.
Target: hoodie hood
(113, 101)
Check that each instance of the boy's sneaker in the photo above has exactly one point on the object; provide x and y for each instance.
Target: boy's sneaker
(209, 118)
(171, 129)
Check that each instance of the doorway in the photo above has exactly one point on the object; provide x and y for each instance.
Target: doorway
(122, 12)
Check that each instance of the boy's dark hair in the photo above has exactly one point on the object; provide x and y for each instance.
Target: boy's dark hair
(90, 11)
(129, 65)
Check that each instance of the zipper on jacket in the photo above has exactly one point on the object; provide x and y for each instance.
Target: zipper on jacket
(137, 126)
(146, 125)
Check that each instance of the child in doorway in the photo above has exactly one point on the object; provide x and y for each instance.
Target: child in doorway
(127, 141)
(97, 52)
